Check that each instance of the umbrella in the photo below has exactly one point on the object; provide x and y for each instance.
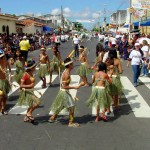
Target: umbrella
(142, 39)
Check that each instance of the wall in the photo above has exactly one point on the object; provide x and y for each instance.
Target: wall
(10, 23)
(39, 29)
(29, 29)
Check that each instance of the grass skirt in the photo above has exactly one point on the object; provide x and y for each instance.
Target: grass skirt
(101, 97)
(83, 70)
(18, 75)
(5, 86)
(43, 70)
(116, 86)
(28, 98)
(62, 100)
(19, 71)
(54, 66)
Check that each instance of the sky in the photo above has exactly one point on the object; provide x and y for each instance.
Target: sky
(83, 10)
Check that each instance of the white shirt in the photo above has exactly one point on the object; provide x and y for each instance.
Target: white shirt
(106, 39)
(75, 40)
(113, 41)
(57, 39)
(136, 57)
(105, 57)
(145, 49)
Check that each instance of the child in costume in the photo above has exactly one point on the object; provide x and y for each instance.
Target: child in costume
(64, 98)
(55, 64)
(114, 65)
(4, 82)
(27, 96)
(19, 64)
(84, 68)
(100, 95)
(44, 66)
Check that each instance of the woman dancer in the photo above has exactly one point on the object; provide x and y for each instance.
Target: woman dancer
(64, 98)
(100, 95)
(55, 64)
(27, 96)
(19, 64)
(84, 68)
(44, 66)
(4, 82)
(115, 66)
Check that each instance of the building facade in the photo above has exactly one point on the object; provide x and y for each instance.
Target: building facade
(8, 23)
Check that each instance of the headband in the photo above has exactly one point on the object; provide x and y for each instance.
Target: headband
(43, 49)
(31, 66)
(68, 63)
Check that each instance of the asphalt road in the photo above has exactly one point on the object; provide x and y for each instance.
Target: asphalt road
(127, 130)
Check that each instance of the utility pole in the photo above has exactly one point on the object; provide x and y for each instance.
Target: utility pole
(130, 21)
(104, 25)
(62, 18)
(99, 22)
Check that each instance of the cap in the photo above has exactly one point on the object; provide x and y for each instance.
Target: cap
(137, 44)
(24, 37)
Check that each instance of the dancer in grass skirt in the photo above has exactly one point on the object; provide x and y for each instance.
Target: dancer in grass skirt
(100, 96)
(114, 65)
(19, 67)
(4, 82)
(44, 66)
(84, 69)
(64, 99)
(55, 64)
(27, 96)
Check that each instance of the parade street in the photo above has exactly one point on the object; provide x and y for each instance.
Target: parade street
(127, 129)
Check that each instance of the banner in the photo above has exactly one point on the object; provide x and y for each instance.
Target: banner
(141, 4)
(139, 13)
(85, 21)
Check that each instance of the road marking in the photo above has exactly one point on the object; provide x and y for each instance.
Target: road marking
(23, 109)
(75, 79)
(94, 111)
(14, 87)
(146, 81)
(139, 106)
(13, 69)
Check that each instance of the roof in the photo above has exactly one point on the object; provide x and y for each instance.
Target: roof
(29, 22)
(8, 16)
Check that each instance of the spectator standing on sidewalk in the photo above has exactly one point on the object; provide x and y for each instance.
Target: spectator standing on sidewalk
(135, 57)
(145, 49)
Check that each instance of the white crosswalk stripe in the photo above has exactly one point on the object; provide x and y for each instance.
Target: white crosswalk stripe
(75, 79)
(22, 109)
(139, 106)
(14, 88)
(146, 81)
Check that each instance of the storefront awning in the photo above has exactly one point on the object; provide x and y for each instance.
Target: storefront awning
(136, 24)
(47, 29)
(146, 23)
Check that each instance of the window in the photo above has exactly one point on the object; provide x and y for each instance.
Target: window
(3, 28)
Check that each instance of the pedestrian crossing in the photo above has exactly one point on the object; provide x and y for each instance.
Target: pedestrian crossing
(137, 103)
(139, 106)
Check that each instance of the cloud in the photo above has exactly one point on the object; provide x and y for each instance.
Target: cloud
(86, 13)
(38, 14)
(56, 11)
(67, 12)
(95, 15)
